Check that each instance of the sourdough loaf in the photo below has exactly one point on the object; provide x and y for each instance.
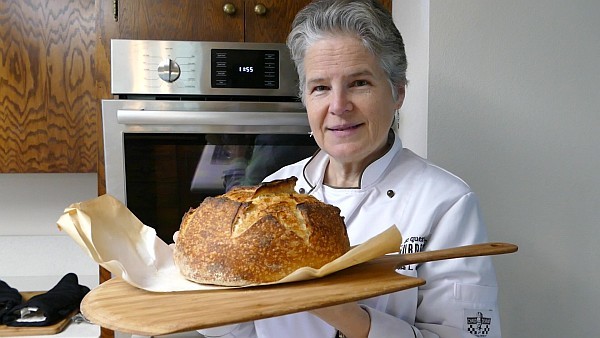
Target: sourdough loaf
(258, 234)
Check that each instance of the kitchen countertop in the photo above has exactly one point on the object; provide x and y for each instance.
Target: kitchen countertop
(74, 330)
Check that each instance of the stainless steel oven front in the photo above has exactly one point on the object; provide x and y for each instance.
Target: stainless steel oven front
(194, 119)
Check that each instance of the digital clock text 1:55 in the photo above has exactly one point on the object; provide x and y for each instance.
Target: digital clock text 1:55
(245, 69)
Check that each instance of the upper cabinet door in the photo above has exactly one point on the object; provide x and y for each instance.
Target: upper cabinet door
(48, 105)
(270, 20)
(193, 20)
(205, 20)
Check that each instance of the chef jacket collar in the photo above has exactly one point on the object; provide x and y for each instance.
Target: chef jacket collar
(314, 170)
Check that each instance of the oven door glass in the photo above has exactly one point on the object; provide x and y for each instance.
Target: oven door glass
(167, 174)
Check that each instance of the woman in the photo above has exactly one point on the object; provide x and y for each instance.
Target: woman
(351, 64)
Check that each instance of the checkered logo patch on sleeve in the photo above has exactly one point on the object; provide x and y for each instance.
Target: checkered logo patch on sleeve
(478, 323)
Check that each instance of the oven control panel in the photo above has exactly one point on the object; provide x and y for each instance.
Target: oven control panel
(151, 67)
(243, 68)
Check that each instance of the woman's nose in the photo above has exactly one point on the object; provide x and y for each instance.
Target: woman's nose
(340, 103)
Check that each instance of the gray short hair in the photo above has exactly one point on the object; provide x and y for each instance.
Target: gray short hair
(368, 20)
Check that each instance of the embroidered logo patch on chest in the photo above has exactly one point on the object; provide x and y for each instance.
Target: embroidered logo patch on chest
(412, 244)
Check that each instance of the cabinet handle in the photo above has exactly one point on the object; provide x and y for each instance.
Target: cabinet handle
(229, 9)
(116, 10)
(260, 9)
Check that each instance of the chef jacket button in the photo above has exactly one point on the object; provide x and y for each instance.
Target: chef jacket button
(302, 191)
(391, 193)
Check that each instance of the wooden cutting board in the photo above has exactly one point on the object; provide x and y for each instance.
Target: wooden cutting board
(118, 306)
(13, 331)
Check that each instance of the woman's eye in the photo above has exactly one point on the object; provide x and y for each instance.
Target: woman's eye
(360, 83)
(319, 88)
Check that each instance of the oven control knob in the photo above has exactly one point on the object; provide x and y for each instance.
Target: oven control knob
(168, 70)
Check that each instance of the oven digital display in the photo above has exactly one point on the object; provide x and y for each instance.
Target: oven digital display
(243, 68)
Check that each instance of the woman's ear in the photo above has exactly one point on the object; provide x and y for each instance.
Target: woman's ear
(401, 93)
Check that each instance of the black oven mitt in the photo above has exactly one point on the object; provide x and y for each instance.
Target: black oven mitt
(9, 298)
(50, 307)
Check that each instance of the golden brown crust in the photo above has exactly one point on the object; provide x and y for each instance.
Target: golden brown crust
(259, 234)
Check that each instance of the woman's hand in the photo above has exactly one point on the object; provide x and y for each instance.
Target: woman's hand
(350, 319)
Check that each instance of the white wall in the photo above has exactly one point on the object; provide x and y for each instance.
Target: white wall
(34, 254)
(514, 109)
(412, 19)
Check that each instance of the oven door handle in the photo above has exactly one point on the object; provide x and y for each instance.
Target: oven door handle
(246, 118)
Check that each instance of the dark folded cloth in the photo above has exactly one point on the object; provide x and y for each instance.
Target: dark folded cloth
(9, 298)
(50, 307)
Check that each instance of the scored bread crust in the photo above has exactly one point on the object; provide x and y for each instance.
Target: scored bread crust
(258, 234)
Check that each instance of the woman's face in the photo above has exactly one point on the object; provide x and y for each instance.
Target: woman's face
(348, 99)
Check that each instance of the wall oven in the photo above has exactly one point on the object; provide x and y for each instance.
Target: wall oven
(193, 119)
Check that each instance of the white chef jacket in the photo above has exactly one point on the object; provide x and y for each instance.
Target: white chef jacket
(433, 209)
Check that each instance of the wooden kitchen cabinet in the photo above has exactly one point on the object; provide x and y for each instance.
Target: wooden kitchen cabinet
(192, 20)
(48, 103)
(274, 25)
(205, 20)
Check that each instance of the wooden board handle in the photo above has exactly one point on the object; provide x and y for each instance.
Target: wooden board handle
(484, 249)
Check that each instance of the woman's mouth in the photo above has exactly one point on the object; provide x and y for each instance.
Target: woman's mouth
(344, 127)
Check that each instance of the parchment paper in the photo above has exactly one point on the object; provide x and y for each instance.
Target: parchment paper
(118, 241)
